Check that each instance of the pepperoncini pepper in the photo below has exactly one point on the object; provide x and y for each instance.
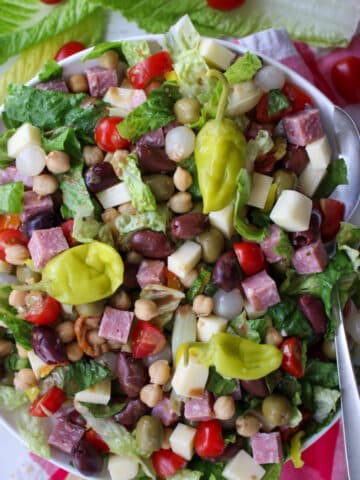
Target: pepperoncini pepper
(220, 150)
(233, 356)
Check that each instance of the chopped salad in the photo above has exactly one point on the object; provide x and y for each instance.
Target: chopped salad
(169, 252)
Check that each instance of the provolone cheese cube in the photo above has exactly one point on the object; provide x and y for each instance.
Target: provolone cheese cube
(243, 467)
(190, 380)
(182, 440)
(122, 467)
(243, 97)
(292, 211)
(99, 393)
(39, 367)
(260, 190)
(215, 54)
(24, 136)
(310, 179)
(184, 259)
(124, 99)
(319, 152)
(208, 326)
(223, 220)
(114, 196)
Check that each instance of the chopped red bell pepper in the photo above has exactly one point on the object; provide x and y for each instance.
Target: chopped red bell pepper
(292, 363)
(166, 462)
(47, 404)
(209, 441)
(44, 313)
(250, 257)
(96, 441)
(146, 340)
(333, 213)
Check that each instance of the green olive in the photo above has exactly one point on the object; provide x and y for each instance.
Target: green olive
(149, 433)
(212, 244)
(90, 309)
(25, 275)
(197, 208)
(277, 409)
(187, 110)
(161, 186)
(285, 180)
(328, 348)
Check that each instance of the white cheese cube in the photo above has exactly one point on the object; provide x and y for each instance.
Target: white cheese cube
(99, 393)
(223, 220)
(114, 196)
(24, 136)
(292, 211)
(243, 467)
(182, 440)
(260, 190)
(243, 97)
(184, 259)
(39, 367)
(190, 380)
(216, 55)
(122, 467)
(319, 152)
(124, 99)
(310, 179)
(208, 326)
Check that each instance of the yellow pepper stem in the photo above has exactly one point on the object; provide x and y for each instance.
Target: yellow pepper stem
(224, 93)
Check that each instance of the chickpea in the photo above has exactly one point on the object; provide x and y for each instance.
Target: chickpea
(121, 300)
(166, 438)
(224, 407)
(159, 372)
(109, 215)
(78, 83)
(94, 338)
(127, 209)
(24, 379)
(145, 309)
(109, 59)
(5, 347)
(151, 394)
(16, 254)
(92, 155)
(134, 257)
(247, 426)
(58, 162)
(203, 305)
(65, 331)
(17, 299)
(74, 352)
(182, 179)
(21, 351)
(181, 202)
(273, 336)
(189, 279)
(45, 184)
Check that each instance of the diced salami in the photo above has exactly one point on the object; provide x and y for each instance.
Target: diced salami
(58, 84)
(155, 138)
(100, 80)
(164, 412)
(270, 243)
(311, 258)
(134, 409)
(46, 244)
(10, 174)
(261, 291)
(200, 410)
(116, 324)
(303, 127)
(65, 435)
(267, 448)
(33, 204)
(151, 271)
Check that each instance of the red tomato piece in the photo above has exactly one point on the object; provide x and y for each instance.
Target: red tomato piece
(10, 236)
(332, 214)
(47, 404)
(107, 135)
(291, 349)
(146, 340)
(96, 441)
(67, 228)
(166, 462)
(154, 66)
(262, 113)
(250, 257)
(345, 75)
(45, 312)
(296, 96)
(225, 4)
(209, 440)
(68, 49)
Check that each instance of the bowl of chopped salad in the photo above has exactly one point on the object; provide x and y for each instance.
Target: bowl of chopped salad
(173, 223)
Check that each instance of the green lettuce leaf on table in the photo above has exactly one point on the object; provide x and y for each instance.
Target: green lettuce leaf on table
(11, 195)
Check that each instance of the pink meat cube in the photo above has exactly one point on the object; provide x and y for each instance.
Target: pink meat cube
(10, 174)
(33, 204)
(270, 243)
(303, 127)
(267, 448)
(151, 271)
(65, 435)
(261, 291)
(46, 244)
(58, 84)
(116, 324)
(100, 80)
(200, 410)
(311, 258)
(163, 411)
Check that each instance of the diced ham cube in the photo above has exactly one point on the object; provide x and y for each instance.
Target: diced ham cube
(100, 80)
(303, 127)
(116, 324)
(10, 174)
(164, 412)
(267, 448)
(311, 258)
(58, 84)
(33, 204)
(261, 291)
(65, 435)
(46, 244)
(270, 243)
(150, 272)
(200, 410)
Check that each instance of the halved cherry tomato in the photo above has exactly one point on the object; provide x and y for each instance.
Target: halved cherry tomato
(154, 66)
(47, 404)
(96, 441)
(107, 135)
(166, 462)
(67, 228)
(332, 214)
(44, 313)
(68, 49)
(209, 441)
(250, 257)
(262, 111)
(291, 349)
(146, 340)
(345, 75)
(10, 220)
(10, 236)
(298, 98)
(225, 4)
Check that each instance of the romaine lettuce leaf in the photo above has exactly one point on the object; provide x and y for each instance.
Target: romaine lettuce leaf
(186, 474)
(33, 431)
(50, 70)
(4, 137)
(10, 398)
(132, 51)
(260, 145)
(284, 247)
(76, 198)
(20, 329)
(104, 411)
(63, 139)
(348, 234)
(220, 385)
(156, 220)
(323, 374)
(325, 402)
(11, 195)
(277, 101)
(336, 175)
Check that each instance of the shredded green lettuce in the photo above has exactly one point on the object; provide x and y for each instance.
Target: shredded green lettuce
(5, 160)
(277, 102)
(284, 247)
(11, 195)
(156, 220)
(348, 234)
(186, 474)
(10, 398)
(133, 52)
(260, 145)
(33, 431)
(76, 198)
(325, 402)
(336, 175)
(20, 329)
(65, 140)
(219, 385)
(50, 70)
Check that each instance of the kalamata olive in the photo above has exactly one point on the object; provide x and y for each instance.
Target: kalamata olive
(295, 159)
(149, 434)
(257, 388)
(134, 409)
(277, 409)
(301, 239)
(313, 309)
(151, 244)
(100, 177)
(212, 244)
(47, 345)
(39, 221)
(161, 186)
(132, 374)
(285, 180)
(187, 110)
(86, 458)
(226, 273)
(130, 281)
(189, 225)
(155, 138)
(154, 160)
(77, 419)
(230, 451)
